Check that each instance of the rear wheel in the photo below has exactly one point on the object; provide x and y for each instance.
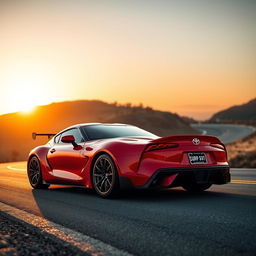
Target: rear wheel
(105, 177)
(193, 187)
(35, 173)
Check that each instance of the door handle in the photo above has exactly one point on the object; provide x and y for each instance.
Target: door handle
(53, 150)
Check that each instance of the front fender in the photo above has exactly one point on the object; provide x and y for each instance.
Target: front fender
(41, 153)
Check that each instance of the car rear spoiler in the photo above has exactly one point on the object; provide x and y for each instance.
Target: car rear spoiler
(34, 135)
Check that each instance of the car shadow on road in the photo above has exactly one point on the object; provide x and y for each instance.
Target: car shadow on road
(70, 204)
(174, 194)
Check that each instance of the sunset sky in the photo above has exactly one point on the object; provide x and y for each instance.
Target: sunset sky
(189, 57)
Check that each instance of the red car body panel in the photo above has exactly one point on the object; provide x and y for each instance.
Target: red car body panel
(69, 164)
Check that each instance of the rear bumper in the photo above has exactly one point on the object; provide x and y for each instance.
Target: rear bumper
(199, 175)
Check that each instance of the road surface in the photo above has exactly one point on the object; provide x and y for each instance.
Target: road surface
(221, 221)
(227, 133)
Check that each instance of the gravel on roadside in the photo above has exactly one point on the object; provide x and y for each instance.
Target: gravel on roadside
(18, 238)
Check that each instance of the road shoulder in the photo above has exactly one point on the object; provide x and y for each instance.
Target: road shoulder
(28, 227)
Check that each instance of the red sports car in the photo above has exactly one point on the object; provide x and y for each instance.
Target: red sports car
(110, 157)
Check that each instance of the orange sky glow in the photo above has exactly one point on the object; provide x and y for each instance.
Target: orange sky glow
(190, 57)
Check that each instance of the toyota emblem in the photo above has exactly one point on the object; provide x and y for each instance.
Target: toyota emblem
(196, 141)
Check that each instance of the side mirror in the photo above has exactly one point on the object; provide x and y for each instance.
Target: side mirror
(71, 139)
(68, 139)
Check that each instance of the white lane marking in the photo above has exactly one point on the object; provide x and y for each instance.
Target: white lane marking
(10, 167)
(83, 242)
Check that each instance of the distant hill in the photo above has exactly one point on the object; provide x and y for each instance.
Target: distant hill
(242, 153)
(16, 128)
(240, 113)
(189, 120)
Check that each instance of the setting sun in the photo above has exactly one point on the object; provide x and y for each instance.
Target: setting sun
(27, 87)
(26, 108)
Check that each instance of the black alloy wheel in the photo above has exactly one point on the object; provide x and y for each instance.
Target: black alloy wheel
(35, 174)
(105, 177)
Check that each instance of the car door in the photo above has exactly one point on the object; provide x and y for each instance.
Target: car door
(66, 161)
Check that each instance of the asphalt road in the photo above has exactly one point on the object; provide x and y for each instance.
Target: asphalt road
(221, 221)
(227, 133)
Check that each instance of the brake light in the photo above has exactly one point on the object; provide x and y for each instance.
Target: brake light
(160, 146)
(218, 145)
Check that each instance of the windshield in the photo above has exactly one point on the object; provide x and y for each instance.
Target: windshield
(95, 132)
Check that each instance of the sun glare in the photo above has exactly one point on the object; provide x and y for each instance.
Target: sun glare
(27, 108)
(27, 88)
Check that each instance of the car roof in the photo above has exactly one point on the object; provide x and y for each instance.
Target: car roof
(89, 124)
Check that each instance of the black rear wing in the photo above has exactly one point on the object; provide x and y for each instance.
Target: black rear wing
(49, 135)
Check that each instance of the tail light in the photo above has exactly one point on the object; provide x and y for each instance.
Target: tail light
(160, 146)
(218, 145)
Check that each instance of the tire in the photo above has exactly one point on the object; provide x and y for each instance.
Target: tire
(193, 187)
(105, 178)
(35, 174)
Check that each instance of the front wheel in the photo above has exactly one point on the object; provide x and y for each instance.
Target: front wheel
(105, 177)
(193, 187)
(35, 173)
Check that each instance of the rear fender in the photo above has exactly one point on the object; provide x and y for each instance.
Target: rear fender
(89, 165)
(125, 156)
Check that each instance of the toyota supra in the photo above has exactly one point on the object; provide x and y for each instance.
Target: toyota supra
(110, 157)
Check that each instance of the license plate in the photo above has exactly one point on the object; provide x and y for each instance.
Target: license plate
(197, 158)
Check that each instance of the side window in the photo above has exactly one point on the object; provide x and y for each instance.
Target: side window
(78, 138)
(75, 132)
(57, 139)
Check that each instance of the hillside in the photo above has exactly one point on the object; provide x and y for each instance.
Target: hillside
(16, 128)
(242, 154)
(241, 113)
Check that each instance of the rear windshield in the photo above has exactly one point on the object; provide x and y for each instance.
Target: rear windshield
(95, 132)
